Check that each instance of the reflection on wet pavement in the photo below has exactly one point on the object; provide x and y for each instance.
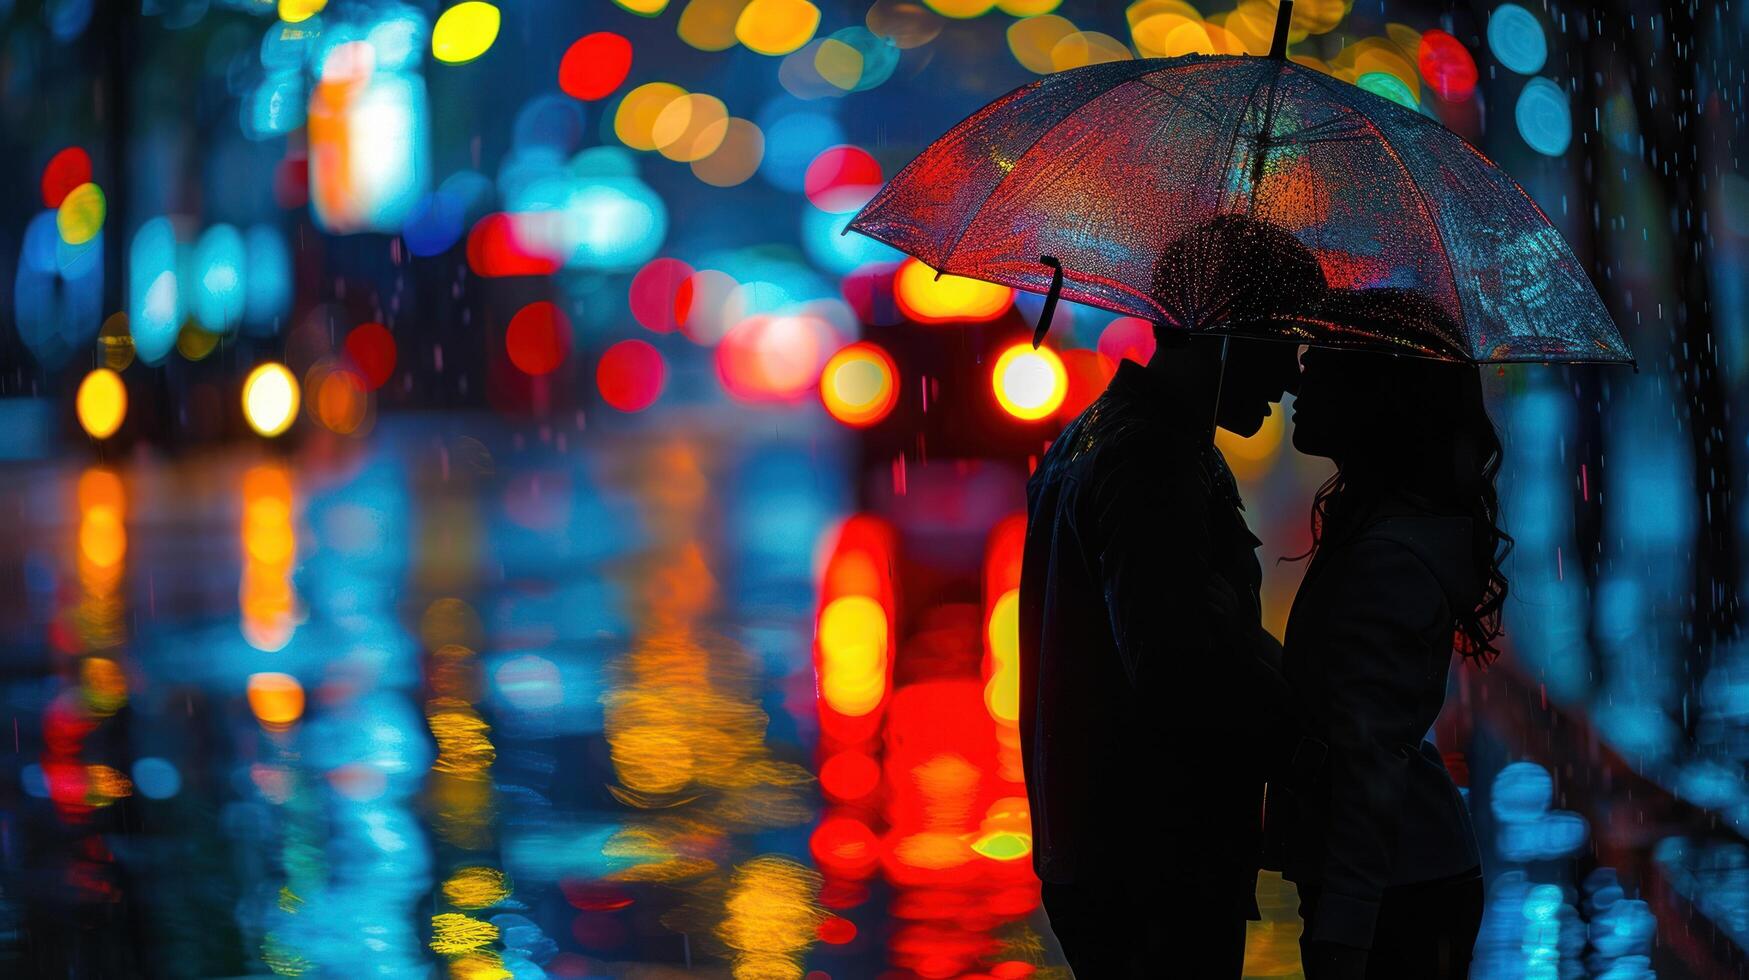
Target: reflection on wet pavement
(476, 701)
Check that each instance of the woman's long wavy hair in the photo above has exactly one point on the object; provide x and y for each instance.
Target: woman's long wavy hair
(1440, 404)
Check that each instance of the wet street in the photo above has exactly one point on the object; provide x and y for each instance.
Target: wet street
(459, 697)
(515, 704)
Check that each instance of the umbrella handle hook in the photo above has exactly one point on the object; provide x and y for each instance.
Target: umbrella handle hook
(1050, 308)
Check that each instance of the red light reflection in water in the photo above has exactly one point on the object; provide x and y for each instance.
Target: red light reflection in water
(923, 780)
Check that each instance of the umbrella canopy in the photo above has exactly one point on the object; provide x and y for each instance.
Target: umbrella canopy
(1109, 168)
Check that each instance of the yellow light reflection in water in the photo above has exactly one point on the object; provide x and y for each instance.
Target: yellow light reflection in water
(771, 915)
(1002, 690)
(853, 654)
(266, 600)
(476, 888)
(452, 932)
(277, 699)
(103, 548)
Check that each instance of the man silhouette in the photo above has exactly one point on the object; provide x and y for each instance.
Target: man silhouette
(1146, 677)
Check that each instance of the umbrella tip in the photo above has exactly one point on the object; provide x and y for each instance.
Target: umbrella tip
(1284, 16)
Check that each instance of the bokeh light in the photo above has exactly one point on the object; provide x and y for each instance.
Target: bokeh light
(538, 338)
(774, 27)
(655, 291)
(1543, 117)
(464, 32)
(634, 122)
(1029, 384)
(595, 65)
(948, 299)
(691, 127)
(737, 156)
(101, 403)
(270, 399)
(371, 349)
(853, 651)
(630, 375)
(80, 216)
(1447, 67)
(842, 179)
(860, 384)
(1127, 338)
(1516, 38)
(277, 699)
(66, 170)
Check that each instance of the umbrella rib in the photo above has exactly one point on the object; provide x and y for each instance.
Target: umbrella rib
(1420, 196)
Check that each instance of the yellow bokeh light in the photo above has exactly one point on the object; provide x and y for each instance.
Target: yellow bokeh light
(452, 933)
(838, 63)
(80, 216)
(1027, 8)
(1032, 40)
(634, 122)
(771, 916)
(1029, 384)
(106, 686)
(926, 299)
(293, 11)
(691, 127)
(853, 654)
(961, 9)
(1087, 48)
(270, 399)
(1251, 457)
(775, 27)
(464, 32)
(277, 699)
(476, 888)
(859, 385)
(102, 403)
(643, 8)
(1002, 690)
(737, 156)
(709, 25)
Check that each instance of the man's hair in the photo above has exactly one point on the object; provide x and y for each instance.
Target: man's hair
(1234, 271)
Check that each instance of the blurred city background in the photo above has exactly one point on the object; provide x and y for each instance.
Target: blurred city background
(469, 512)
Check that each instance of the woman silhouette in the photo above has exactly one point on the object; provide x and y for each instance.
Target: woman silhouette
(1405, 568)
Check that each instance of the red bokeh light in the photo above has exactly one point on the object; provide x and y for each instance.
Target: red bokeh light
(1089, 372)
(65, 171)
(538, 339)
(630, 375)
(595, 65)
(836, 930)
(842, 178)
(504, 244)
(1447, 66)
(849, 775)
(658, 292)
(1127, 337)
(371, 349)
(774, 358)
(845, 846)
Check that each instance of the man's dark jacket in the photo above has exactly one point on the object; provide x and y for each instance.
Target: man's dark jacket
(1368, 647)
(1137, 723)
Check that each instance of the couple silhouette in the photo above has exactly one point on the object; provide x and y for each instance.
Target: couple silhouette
(1155, 708)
